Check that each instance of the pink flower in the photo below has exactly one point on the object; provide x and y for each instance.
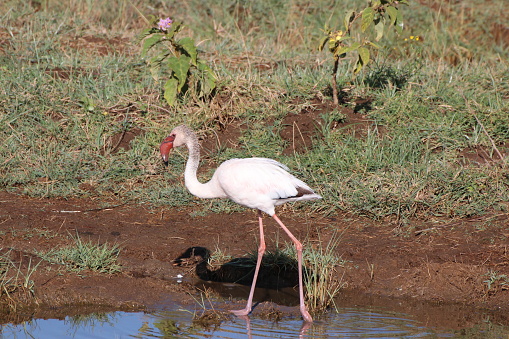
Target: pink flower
(164, 24)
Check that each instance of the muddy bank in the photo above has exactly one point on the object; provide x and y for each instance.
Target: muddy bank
(442, 262)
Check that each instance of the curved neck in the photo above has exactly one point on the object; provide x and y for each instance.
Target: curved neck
(196, 188)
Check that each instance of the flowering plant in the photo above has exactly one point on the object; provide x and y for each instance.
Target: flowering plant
(177, 60)
(164, 24)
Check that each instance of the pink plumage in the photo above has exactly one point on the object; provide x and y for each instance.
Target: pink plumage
(258, 183)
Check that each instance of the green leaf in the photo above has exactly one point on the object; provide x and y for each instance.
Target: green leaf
(145, 33)
(358, 66)
(322, 42)
(393, 14)
(350, 15)
(399, 23)
(363, 59)
(150, 42)
(154, 68)
(180, 67)
(346, 49)
(175, 27)
(208, 78)
(379, 29)
(373, 44)
(364, 55)
(158, 59)
(188, 46)
(156, 62)
(368, 16)
(170, 91)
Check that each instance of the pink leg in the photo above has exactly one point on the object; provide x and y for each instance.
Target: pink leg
(261, 251)
(298, 246)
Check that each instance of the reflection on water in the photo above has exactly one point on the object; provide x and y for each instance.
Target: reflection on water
(347, 323)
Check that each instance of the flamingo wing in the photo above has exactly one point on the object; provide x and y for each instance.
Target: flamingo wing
(260, 183)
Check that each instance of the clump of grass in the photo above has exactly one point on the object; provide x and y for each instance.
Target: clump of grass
(496, 282)
(320, 262)
(15, 279)
(322, 284)
(218, 257)
(85, 255)
(208, 317)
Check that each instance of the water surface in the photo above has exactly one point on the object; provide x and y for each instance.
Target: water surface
(349, 322)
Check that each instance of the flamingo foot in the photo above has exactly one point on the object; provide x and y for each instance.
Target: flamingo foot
(241, 313)
(306, 316)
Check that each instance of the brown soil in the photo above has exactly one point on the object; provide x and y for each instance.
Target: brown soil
(444, 262)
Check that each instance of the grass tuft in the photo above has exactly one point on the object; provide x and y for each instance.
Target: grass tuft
(320, 262)
(322, 283)
(85, 255)
(15, 280)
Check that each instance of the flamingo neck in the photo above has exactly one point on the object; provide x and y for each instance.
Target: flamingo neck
(205, 191)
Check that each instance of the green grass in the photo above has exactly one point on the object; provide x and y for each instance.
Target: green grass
(320, 262)
(496, 282)
(322, 281)
(85, 255)
(64, 98)
(15, 279)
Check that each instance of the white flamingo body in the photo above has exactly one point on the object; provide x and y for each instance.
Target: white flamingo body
(265, 184)
(258, 183)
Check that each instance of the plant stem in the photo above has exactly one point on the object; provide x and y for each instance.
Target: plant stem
(334, 83)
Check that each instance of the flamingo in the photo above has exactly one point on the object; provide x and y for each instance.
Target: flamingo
(257, 183)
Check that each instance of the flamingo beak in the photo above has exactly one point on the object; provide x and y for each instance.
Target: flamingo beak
(165, 147)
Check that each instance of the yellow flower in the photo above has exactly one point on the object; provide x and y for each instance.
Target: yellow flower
(337, 35)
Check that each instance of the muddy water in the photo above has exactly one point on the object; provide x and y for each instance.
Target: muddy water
(357, 317)
(349, 322)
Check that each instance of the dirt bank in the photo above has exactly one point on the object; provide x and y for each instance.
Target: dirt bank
(442, 262)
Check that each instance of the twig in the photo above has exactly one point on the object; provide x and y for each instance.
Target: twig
(119, 140)
(92, 209)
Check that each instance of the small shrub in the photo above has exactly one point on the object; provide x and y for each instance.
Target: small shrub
(341, 43)
(178, 60)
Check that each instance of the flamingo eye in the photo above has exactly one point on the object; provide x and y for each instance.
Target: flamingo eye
(169, 138)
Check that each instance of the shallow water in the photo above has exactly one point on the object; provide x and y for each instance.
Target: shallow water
(358, 316)
(349, 322)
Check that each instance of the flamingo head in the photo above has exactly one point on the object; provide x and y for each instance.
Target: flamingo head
(181, 135)
(166, 147)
